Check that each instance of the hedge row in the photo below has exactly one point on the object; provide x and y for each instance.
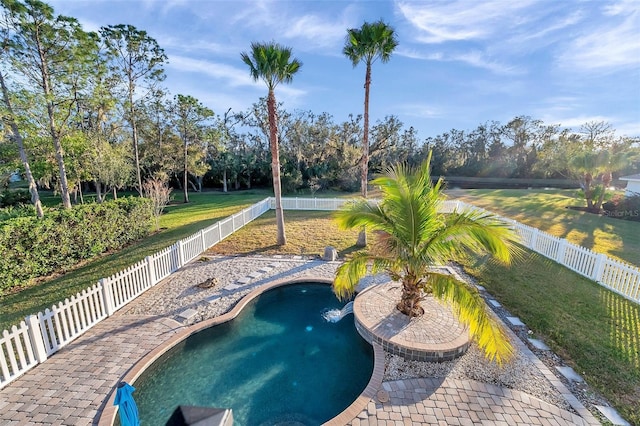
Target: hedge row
(32, 247)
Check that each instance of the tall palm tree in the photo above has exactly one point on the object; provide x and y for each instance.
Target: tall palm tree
(368, 44)
(273, 64)
(412, 236)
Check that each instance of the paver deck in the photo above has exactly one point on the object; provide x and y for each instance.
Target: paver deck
(75, 384)
(440, 401)
(435, 336)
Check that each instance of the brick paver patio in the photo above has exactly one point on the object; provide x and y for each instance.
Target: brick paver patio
(74, 386)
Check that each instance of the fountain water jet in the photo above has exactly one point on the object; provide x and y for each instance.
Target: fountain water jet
(335, 315)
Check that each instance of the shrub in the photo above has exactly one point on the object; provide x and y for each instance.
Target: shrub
(32, 247)
(13, 198)
(621, 207)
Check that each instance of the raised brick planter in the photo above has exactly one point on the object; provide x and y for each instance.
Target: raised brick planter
(436, 336)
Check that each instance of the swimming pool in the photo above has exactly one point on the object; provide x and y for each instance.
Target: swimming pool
(279, 361)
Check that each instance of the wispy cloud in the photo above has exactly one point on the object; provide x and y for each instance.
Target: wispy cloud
(461, 20)
(165, 6)
(610, 45)
(547, 28)
(420, 110)
(317, 30)
(307, 30)
(232, 77)
(480, 60)
(474, 58)
(201, 46)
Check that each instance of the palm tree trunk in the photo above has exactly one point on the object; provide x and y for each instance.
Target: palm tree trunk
(410, 300)
(275, 165)
(364, 162)
(224, 180)
(587, 190)
(607, 177)
(17, 137)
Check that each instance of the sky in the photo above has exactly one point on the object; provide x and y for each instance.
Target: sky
(458, 64)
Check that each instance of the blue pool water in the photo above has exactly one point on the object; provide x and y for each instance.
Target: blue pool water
(279, 361)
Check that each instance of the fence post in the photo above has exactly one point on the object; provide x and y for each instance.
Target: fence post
(598, 269)
(152, 270)
(534, 239)
(107, 295)
(35, 336)
(180, 254)
(562, 248)
(219, 232)
(204, 243)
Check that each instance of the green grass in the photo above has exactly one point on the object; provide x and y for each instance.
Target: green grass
(180, 220)
(547, 210)
(308, 233)
(596, 331)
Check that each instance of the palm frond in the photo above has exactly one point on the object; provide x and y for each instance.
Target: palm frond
(370, 42)
(349, 274)
(478, 232)
(271, 62)
(472, 311)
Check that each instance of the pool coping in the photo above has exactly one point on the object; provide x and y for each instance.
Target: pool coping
(108, 415)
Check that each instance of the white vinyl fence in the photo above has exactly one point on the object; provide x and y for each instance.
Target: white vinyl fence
(43, 334)
(613, 274)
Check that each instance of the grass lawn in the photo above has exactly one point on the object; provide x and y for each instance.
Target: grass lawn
(180, 220)
(308, 233)
(596, 331)
(546, 210)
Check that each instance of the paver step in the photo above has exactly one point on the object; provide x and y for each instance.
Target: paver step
(612, 415)
(570, 374)
(538, 344)
(187, 314)
(515, 321)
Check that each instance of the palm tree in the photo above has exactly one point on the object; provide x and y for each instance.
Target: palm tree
(368, 43)
(588, 164)
(273, 64)
(612, 162)
(412, 235)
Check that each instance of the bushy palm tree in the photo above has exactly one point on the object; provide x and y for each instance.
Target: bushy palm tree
(273, 64)
(412, 236)
(367, 44)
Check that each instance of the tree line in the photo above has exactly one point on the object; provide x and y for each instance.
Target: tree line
(88, 110)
